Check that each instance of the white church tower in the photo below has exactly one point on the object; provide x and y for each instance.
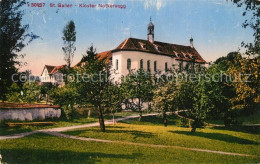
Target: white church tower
(150, 31)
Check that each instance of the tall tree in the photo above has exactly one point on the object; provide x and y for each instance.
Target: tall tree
(13, 38)
(69, 39)
(93, 82)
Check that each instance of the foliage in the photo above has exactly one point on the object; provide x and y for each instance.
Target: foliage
(69, 38)
(114, 94)
(252, 7)
(31, 92)
(164, 99)
(66, 98)
(46, 90)
(247, 83)
(13, 38)
(14, 93)
(138, 88)
(92, 83)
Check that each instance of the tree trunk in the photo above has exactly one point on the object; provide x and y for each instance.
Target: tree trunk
(193, 130)
(113, 119)
(140, 109)
(140, 115)
(89, 113)
(101, 118)
(165, 121)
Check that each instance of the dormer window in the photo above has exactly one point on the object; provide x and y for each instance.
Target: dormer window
(180, 56)
(143, 45)
(158, 48)
(188, 56)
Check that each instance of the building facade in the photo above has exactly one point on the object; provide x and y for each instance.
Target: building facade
(151, 55)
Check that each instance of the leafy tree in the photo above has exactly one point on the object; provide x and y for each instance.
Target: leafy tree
(247, 83)
(138, 89)
(14, 93)
(164, 99)
(92, 83)
(31, 92)
(65, 97)
(115, 98)
(69, 38)
(46, 88)
(251, 7)
(13, 38)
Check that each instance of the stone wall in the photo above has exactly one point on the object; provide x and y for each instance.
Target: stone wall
(29, 114)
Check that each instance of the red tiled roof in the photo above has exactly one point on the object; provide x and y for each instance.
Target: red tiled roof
(179, 52)
(52, 69)
(56, 69)
(161, 48)
(105, 55)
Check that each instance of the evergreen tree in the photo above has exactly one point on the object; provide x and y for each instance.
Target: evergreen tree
(13, 38)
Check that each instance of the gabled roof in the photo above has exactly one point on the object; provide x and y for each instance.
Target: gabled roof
(52, 69)
(105, 55)
(160, 48)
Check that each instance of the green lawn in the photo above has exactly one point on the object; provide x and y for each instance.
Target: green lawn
(153, 132)
(4, 130)
(42, 148)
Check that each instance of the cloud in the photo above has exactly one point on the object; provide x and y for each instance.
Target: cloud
(158, 4)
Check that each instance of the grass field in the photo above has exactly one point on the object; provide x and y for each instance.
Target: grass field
(42, 148)
(4, 130)
(152, 131)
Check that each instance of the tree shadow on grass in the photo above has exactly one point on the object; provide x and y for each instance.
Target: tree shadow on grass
(51, 156)
(246, 129)
(151, 120)
(115, 130)
(218, 136)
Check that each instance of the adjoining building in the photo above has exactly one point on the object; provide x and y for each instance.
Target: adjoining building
(52, 74)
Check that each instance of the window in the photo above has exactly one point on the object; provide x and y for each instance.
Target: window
(155, 66)
(128, 64)
(148, 65)
(116, 64)
(143, 45)
(188, 56)
(141, 64)
(166, 67)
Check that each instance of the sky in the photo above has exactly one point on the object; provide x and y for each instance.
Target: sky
(215, 25)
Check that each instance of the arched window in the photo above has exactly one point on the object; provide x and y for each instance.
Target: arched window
(148, 65)
(128, 64)
(141, 64)
(166, 67)
(116, 64)
(155, 66)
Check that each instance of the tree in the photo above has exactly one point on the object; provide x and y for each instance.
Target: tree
(92, 83)
(65, 97)
(245, 71)
(14, 93)
(46, 89)
(251, 7)
(13, 38)
(115, 98)
(31, 92)
(164, 99)
(138, 87)
(69, 38)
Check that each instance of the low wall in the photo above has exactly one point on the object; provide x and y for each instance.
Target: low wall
(29, 114)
